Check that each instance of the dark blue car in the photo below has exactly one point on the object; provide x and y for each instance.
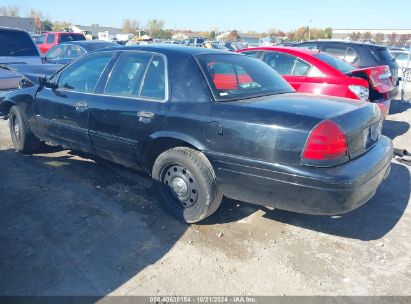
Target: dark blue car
(207, 124)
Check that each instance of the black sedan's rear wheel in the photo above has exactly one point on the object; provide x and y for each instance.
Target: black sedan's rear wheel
(23, 139)
(186, 184)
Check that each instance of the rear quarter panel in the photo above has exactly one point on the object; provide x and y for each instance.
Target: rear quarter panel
(233, 130)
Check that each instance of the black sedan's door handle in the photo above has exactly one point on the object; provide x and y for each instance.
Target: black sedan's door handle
(81, 106)
(145, 115)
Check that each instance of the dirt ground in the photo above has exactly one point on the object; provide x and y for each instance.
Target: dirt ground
(73, 226)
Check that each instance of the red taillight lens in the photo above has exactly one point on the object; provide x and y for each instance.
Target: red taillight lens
(326, 142)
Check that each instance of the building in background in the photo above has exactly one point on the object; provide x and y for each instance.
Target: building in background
(249, 39)
(96, 31)
(26, 24)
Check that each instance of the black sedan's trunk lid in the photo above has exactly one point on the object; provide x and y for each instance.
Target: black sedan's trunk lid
(360, 121)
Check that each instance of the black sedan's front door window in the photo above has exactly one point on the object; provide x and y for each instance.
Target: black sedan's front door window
(83, 75)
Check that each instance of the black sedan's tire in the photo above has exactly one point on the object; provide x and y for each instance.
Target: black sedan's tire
(23, 139)
(186, 184)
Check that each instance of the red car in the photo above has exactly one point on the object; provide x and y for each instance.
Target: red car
(47, 40)
(311, 71)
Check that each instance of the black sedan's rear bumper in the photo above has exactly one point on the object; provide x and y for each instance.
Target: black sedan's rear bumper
(323, 191)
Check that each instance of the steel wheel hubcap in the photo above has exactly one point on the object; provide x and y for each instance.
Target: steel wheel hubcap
(16, 127)
(180, 185)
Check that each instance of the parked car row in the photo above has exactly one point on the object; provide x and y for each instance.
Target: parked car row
(47, 40)
(361, 55)
(312, 71)
(207, 123)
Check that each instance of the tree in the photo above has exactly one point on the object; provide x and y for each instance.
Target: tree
(367, 36)
(10, 11)
(328, 33)
(233, 36)
(355, 36)
(47, 25)
(212, 35)
(379, 38)
(301, 33)
(291, 36)
(61, 26)
(130, 26)
(38, 17)
(155, 27)
(392, 38)
(404, 39)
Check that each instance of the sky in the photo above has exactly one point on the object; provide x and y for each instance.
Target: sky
(242, 15)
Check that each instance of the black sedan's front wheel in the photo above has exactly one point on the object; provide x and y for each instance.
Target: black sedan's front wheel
(23, 139)
(186, 184)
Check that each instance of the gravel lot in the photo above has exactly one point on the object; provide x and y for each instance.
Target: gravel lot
(71, 226)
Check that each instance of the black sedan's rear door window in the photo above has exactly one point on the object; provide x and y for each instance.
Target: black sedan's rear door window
(139, 75)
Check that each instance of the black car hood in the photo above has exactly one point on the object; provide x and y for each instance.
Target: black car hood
(33, 72)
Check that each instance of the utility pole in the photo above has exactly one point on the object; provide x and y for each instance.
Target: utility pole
(309, 31)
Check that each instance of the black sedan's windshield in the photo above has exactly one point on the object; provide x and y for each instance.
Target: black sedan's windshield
(234, 77)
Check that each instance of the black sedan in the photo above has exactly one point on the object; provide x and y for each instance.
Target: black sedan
(66, 52)
(207, 123)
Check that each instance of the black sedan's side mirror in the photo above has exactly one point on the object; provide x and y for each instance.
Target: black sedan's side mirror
(45, 82)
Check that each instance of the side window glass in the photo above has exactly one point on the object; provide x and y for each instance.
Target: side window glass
(55, 53)
(282, 63)
(127, 74)
(154, 83)
(74, 51)
(84, 74)
(315, 72)
(336, 51)
(40, 40)
(50, 38)
(350, 55)
(300, 68)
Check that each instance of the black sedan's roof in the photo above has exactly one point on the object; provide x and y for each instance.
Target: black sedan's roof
(172, 49)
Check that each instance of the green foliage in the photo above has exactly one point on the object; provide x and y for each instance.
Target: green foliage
(155, 28)
(61, 26)
(47, 25)
(130, 26)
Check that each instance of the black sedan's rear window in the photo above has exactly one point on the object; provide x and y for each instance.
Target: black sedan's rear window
(16, 43)
(233, 77)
